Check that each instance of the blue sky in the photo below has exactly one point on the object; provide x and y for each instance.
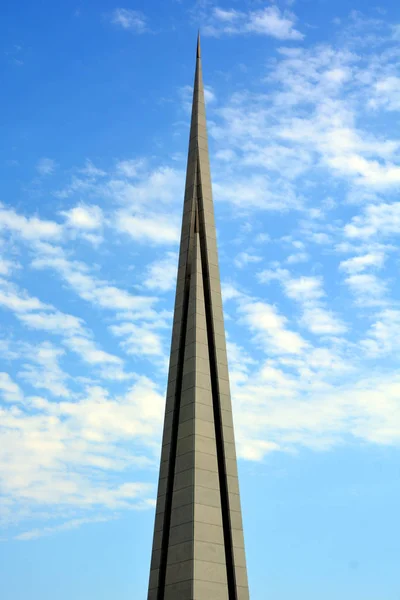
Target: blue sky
(303, 102)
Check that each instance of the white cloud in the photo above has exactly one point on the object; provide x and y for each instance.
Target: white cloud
(209, 94)
(227, 155)
(269, 328)
(139, 340)
(269, 21)
(357, 264)
(384, 334)
(309, 119)
(90, 288)
(10, 391)
(367, 172)
(29, 228)
(91, 171)
(257, 449)
(321, 321)
(299, 257)
(154, 228)
(304, 398)
(131, 168)
(386, 94)
(90, 353)
(19, 302)
(368, 289)
(84, 217)
(45, 373)
(132, 20)
(38, 316)
(257, 192)
(60, 452)
(377, 219)
(161, 274)
(308, 292)
(54, 322)
(304, 289)
(245, 258)
(46, 166)
(163, 185)
(229, 292)
(287, 412)
(7, 266)
(34, 534)
(229, 16)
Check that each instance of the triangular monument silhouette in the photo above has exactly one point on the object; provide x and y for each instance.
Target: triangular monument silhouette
(198, 547)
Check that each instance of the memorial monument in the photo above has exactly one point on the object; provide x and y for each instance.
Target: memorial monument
(198, 547)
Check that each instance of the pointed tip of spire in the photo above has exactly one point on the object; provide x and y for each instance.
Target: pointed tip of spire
(198, 45)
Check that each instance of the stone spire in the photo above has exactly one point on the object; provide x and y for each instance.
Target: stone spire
(198, 548)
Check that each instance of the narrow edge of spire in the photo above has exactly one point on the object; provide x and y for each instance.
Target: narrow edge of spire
(198, 45)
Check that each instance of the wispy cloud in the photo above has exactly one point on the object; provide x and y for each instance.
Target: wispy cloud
(29, 228)
(245, 258)
(358, 264)
(309, 293)
(46, 166)
(161, 274)
(153, 228)
(381, 219)
(139, 340)
(269, 21)
(61, 447)
(45, 373)
(270, 328)
(84, 217)
(10, 391)
(129, 19)
(368, 289)
(34, 534)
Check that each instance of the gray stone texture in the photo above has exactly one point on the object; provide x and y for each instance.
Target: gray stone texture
(198, 546)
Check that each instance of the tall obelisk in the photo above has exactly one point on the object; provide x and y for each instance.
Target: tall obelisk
(198, 547)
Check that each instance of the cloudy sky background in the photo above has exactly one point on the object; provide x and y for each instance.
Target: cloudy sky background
(303, 102)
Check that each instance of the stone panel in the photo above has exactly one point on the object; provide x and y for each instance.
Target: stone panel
(153, 580)
(155, 559)
(209, 590)
(210, 571)
(204, 532)
(183, 514)
(207, 495)
(208, 514)
(181, 552)
(242, 593)
(241, 576)
(184, 479)
(182, 497)
(179, 571)
(185, 445)
(181, 533)
(210, 552)
(182, 590)
(205, 444)
(210, 481)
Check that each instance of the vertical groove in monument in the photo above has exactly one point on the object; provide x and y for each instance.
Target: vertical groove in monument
(219, 434)
(198, 548)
